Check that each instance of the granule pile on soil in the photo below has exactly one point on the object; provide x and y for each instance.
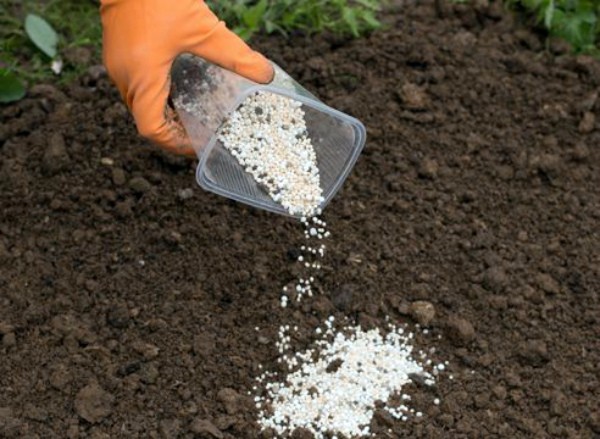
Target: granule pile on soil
(129, 297)
(335, 386)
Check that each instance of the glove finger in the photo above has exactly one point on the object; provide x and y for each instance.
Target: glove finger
(154, 119)
(215, 43)
(181, 144)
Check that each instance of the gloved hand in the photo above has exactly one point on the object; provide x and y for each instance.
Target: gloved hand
(140, 41)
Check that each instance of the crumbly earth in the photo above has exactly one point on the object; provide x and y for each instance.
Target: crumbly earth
(129, 298)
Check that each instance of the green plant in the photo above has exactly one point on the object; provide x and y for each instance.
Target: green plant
(575, 21)
(41, 34)
(44, 37)
(343, 17)
(11, 88)
(27, 41)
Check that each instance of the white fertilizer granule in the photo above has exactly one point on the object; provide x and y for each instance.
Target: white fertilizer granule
(267, 135)
(314, 230)
(332, 388)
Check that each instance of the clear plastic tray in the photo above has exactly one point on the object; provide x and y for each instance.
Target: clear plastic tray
(204, 95)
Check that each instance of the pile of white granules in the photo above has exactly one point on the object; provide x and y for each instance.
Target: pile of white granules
(333, 387)
(268, 137)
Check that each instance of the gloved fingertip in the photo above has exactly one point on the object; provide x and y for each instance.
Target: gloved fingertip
(255, 67)
(179, 149)
(157, 122)
(174, 140)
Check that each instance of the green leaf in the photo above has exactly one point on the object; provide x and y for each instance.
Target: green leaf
(41, 34)
(548, 14)
(531, 4)
(349, 16)
(369, 4)
(371, 20)
(253, 15)
(342, 17)
(270, 26)
(289, 19)
(11, 88)
(587, 17)
(243, 32)
(577, 31)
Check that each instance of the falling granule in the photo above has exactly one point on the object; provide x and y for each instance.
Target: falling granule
(267, 135)
(310, 254)
(333, 388)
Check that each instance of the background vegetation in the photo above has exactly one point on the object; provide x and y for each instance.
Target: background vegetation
(343, 17)
(76, 22)
(575, 21)
(25, 60)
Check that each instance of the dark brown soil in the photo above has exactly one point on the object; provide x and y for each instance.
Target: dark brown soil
(129, 297)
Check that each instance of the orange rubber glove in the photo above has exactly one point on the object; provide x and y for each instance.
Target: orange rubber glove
(140, 41)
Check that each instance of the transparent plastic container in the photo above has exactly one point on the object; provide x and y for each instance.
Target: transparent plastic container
(204, 95)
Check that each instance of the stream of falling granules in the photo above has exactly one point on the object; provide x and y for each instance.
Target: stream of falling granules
(333, 387)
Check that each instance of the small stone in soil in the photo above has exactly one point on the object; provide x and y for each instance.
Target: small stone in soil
(205, 428)
(170, 428)
(93, 403)
(414, 97)
(343, 297)
(118, 316)
(118, 176)
(495, 279)
(587, 123)
(428, 169)
(9, 339)
(185, 194)
(139, 185)
(423, 312)
(230, 399)
(548, 283)
(60, 377)
(534, 353)
(39, 414)
(55, 156)
(460, 330)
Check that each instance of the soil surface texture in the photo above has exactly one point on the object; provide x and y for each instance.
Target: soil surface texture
(129, 297)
